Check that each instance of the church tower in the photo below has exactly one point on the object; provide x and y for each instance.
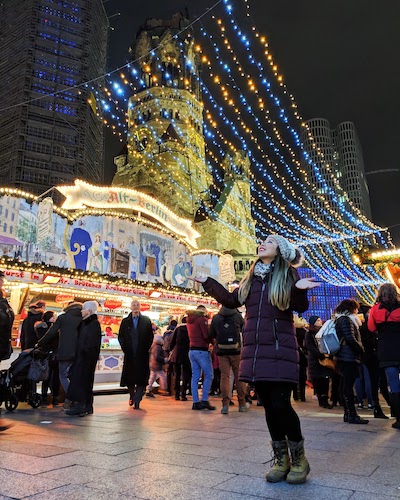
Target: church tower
(165, 152)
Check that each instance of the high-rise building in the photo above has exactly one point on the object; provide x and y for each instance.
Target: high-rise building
(50, 132)
(335, 152)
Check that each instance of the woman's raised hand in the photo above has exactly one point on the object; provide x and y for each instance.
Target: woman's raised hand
(199, 279)
(307, 284)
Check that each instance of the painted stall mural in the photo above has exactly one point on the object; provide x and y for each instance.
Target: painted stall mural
(102, 244)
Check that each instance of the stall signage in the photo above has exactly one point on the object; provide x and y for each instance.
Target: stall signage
(82, 284)
(63, 297)
(112, 304)
(83, 195)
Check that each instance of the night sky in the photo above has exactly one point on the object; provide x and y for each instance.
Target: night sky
(339, 60)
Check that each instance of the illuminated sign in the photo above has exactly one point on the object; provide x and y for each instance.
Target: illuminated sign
(83, 195)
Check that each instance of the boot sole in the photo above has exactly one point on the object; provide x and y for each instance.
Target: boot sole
(272, 480)
(297, 481)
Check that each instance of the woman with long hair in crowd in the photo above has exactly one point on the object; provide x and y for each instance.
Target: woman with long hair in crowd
(348, 358)
(384, 318)
(271, 291)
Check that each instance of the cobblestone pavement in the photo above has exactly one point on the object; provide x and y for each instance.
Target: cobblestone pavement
(168, 451)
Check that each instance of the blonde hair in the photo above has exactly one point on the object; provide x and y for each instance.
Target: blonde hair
(281, 279)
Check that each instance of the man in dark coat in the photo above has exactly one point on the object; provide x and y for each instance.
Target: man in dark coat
(135, 337)
(6, 322)
(28, 334)
(66, 328)
(84, 366)
(179, 358)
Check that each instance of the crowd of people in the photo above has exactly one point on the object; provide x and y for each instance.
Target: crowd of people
(271, 351)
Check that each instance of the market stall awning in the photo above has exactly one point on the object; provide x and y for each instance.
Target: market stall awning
(5, 240)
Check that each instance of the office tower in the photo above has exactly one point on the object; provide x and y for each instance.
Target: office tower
(50, 125)
(335, 152)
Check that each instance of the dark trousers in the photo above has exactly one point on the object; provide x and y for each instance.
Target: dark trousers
(215, 386)
(299, 392)
(53, 381)
(136, 392)
(282, 420)
(182, 372)
(349, 371)
(336, 397)
(321, 386)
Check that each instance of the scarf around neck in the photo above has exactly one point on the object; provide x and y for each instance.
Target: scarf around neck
(353, 317)
(262, 269)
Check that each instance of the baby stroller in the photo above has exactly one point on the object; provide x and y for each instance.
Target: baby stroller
(18, 383)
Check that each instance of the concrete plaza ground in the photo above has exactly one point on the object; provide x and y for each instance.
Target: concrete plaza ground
(168, 451)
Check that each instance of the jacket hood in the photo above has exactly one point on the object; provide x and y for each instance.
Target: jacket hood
(225, 311)
(194, 314)
(74, 305)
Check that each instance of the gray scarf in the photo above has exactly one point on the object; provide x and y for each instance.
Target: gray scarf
(262, 269)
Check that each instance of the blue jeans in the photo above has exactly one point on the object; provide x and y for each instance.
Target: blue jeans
(392, 375)
(364, 382)
(201, 362)
(64, 367)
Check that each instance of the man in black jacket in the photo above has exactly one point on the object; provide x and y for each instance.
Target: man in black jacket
(135, 337)
(66, 327)
(6, 322)
(226, 328)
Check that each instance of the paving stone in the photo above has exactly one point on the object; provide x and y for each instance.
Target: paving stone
(75, 492)
(261, 488)
(17, 485)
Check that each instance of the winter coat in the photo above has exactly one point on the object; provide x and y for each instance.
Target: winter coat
(197, 325)
(217, 325)
(300, 336)
(6, 323)
(315, 369)
(269, 350)
(28, 336)
(385, 319)
(180, 345)
(82, 371)
(156, 357)
(135, 370)
(351, 348)
(66, 328)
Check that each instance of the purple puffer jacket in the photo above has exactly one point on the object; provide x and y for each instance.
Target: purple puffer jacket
(269, 340)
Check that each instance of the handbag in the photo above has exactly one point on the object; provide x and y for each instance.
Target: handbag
(328, 363)
(38, 370)
(7, 353)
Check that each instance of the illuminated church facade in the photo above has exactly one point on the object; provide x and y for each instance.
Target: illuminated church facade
(165, 155)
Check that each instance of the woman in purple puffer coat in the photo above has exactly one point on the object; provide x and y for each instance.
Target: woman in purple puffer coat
(271, 291)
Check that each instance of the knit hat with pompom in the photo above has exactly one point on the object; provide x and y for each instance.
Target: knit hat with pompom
(289, 252)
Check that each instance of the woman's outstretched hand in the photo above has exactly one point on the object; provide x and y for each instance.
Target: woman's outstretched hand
(307, 284)
(198, 279)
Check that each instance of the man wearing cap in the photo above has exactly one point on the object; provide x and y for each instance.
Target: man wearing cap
(28, 336)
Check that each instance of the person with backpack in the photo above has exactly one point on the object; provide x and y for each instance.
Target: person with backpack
(384, 318)
(271, 291)
(226, 328)
(348, 357)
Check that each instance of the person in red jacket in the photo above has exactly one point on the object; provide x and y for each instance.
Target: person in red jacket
(200, 358)
(271, 291)
(384, 318)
